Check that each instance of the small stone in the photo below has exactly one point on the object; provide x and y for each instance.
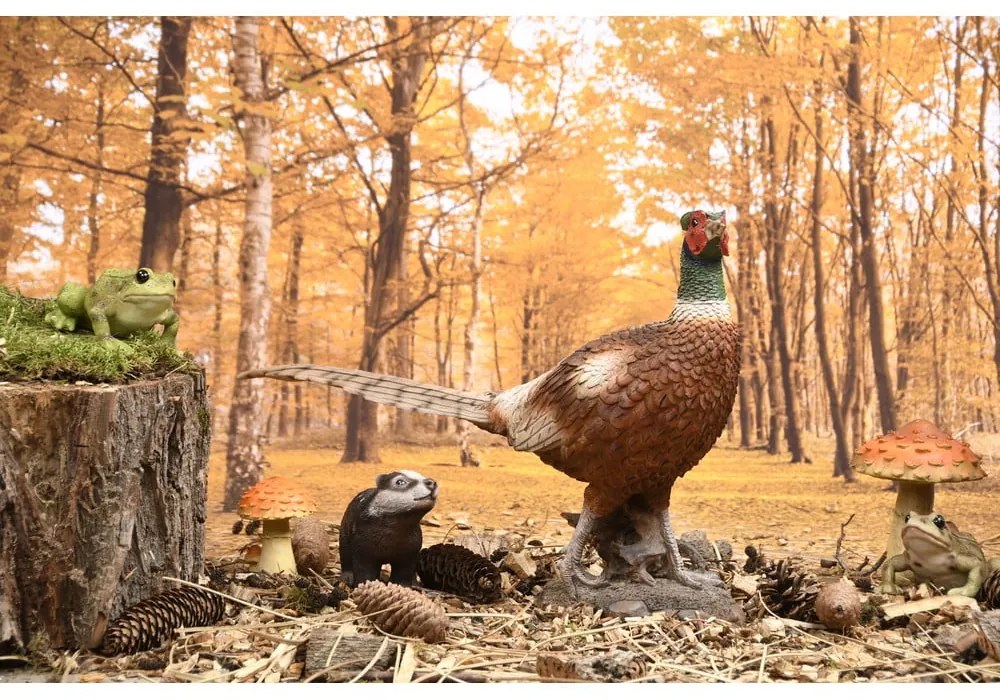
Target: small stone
(629, 608)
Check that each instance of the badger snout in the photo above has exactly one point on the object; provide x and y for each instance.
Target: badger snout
(431, 487)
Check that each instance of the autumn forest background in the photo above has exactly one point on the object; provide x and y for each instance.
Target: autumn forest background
(465, 200)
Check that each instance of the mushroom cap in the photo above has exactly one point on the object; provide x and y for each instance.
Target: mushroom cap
(275, 498)
(921, 452)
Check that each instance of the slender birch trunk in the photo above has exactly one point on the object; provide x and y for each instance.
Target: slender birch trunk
(244, 455)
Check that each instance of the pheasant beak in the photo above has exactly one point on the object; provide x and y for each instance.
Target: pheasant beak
(716, 228)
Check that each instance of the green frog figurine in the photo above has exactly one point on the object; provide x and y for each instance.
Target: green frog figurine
(934, 550)
(120, 303)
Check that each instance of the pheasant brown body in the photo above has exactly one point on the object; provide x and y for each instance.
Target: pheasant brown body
(627, 413)
(634, 410)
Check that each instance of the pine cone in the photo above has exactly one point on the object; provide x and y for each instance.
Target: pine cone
(786, 591)
(401, 611)
(989, 592)
(252, 527)
(455, 569)
(150, 622)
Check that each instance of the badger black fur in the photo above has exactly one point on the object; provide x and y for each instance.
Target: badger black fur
(382, 526)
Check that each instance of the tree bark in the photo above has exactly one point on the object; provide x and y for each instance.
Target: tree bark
(96, 180)
(407, 65)
(102, 493)
(842, 453)
(290, 348)
(168, 153)
(244, 455)
(11, 188)
(775, 224)
(862, 164)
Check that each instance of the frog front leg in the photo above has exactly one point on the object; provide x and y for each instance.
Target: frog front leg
(99, 321)
(900, 562)
(171, 321)
(975, 568)
(68, 307)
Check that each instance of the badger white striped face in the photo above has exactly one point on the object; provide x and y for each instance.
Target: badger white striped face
(404, 491)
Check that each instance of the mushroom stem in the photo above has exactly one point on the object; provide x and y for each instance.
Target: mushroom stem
(911, 495)
(276, 550)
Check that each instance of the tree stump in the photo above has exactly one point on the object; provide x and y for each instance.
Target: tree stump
(102, 493)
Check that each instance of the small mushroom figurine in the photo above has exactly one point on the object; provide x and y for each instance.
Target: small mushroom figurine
(275, 501)
(916, 457)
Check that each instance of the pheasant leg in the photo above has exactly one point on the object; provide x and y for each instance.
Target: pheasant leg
(572, 571)
(674, 566)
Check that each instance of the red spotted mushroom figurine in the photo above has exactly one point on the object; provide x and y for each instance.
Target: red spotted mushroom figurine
(275, 501)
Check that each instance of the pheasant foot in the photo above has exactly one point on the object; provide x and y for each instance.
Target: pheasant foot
(571, 570)
(674, 566)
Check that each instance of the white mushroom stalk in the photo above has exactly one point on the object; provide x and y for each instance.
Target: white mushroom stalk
(276, 555)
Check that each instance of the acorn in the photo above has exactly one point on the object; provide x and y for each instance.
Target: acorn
(838, 605)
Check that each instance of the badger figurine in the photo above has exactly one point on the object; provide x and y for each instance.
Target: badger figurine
(382, 526)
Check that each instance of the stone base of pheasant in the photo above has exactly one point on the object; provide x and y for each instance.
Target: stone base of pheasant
(628, 598)
(643, 569)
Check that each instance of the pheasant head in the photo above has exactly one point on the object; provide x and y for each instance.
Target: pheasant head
(705, 235)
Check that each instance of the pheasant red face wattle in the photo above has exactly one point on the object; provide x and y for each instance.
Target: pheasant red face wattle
(702, 228)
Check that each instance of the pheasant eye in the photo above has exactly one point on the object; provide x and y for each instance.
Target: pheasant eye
(906, 518)
(939, 521)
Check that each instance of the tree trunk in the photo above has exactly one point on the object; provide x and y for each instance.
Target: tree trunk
(96, 180)
(469, 360)
(244, 455)
(991, 258)
(407, 67)
(842, 453)
(775, 224)
(161, 222)
(290, 348)
(11, 187)
(403, 345)
(102, 493)
(861, 162)
(217, 301)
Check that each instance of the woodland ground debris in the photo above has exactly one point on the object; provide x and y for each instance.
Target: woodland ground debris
(265, 637)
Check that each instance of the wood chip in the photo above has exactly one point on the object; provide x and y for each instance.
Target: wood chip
(933, 603)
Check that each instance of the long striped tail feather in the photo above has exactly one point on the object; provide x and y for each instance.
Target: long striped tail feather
(387, 389)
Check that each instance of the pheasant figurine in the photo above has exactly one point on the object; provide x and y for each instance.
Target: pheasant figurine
(627, 413)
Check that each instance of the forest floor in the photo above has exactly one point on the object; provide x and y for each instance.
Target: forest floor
(744, 496)
(294, 629)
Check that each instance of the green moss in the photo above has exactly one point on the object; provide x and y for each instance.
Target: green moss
(31, 349)
(205, 420)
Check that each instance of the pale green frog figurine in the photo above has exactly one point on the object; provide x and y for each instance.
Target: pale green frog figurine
(120, 303)
(935, 551)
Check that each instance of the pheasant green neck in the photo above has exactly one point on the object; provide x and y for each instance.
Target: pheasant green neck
(701, 280)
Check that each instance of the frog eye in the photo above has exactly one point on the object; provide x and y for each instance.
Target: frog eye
(906, 518)
(939, 521)
(142, 276)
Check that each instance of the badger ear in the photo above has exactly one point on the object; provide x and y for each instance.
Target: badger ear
(686, 221)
